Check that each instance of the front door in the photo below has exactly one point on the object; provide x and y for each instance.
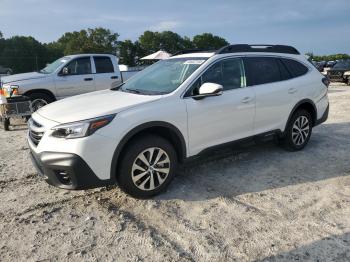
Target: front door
(220, 119)
(79, 79)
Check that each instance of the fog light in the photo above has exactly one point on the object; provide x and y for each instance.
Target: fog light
(63, 177)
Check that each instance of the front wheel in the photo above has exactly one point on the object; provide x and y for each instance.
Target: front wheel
(39, 100)
(147, 167)
(6, 123)
(298, 131)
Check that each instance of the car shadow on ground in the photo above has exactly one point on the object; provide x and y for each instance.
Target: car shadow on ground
(255, 168)
(332, 248)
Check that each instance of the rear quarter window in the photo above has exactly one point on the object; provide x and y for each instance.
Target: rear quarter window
(294, 67)
(103, 65)
(262, 70)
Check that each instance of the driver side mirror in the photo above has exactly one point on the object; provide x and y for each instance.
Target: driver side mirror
(209, 89)
(65, 71)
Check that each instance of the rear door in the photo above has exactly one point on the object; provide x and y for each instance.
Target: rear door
(220, 119)
(106, 76)
(275, 92)
(79, 79)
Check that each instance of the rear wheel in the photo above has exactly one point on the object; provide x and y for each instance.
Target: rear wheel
(348, 81)
(298, 131)
(40, 100)
(147, 167)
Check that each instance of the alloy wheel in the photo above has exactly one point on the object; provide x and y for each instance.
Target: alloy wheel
(38, 103)
(300, 130)
(150, 169)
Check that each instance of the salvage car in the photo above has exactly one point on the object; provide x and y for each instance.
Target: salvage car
(340, 72)
(135, 135)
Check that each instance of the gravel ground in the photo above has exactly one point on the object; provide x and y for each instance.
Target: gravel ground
(252, 203)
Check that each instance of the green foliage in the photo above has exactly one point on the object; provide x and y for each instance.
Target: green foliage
(208, 41)
(98, 40)
(330, 57)
(127, 52)
(22, 54)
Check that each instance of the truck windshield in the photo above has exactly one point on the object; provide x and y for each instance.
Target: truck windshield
(50, 68)
(163, 77)
(342, 64)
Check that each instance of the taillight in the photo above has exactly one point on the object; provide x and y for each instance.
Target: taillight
(326, 81)
(1, 92)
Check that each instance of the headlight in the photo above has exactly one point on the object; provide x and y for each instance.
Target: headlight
(10, 90)
(81, 128)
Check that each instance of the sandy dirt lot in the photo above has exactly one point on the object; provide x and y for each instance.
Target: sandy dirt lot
(252, 203)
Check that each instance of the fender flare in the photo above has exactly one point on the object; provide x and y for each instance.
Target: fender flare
(304, 101)
(139, 129)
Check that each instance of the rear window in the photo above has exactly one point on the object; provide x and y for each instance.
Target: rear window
(262, 70)
(103, 64)
(294, 67)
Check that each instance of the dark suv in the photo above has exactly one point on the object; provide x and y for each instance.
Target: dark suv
(340, 72)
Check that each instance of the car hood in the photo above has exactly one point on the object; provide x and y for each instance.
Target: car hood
(21, 77)
(92, 105)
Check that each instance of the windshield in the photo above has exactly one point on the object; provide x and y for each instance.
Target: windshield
(342, 64)
(163, 77)
(50, 68)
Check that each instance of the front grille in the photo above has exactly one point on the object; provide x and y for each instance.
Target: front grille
(36, 131)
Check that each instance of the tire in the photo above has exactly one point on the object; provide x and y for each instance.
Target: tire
(39, 100)
(6, 124)
(348, 81)
(295, 139)
(135, 174)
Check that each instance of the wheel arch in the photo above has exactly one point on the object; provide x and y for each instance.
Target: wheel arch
(38, 91)
(306, 104)
(163, 129)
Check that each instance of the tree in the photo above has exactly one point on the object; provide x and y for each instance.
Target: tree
(171, 42)
(208, 41)
(98, 40)
(127, 52)
(22, 54)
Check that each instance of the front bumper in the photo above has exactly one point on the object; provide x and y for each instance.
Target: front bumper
(66, 170)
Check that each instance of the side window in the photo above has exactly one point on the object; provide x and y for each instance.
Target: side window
(294, 67)
(285, 74)
(262, 70)
(103, 64)
(228, 73)
(80, 66)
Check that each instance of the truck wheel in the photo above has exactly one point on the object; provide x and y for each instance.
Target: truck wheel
(6, 124)
(298, 131)
(147, 167)
(40, 100)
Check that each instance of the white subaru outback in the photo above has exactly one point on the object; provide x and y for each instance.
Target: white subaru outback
(136, 134)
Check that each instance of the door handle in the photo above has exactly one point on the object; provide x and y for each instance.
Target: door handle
(88, 79)
(247, 99)
(292, 90)
(114, 77)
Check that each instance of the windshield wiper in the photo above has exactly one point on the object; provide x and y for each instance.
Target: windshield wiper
(136, 91)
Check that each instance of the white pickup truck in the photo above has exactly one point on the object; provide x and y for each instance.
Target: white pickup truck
(67, 76)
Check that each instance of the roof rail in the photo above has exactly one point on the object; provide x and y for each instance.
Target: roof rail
(188, 51)
(258, 48)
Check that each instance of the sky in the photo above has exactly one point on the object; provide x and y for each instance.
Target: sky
(319, 26)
